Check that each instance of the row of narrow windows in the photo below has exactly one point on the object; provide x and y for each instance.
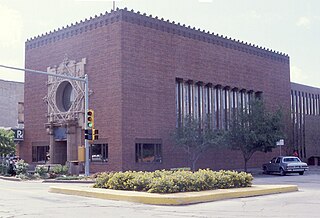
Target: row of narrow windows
(214, 102)
(302, 103)
(305, 103)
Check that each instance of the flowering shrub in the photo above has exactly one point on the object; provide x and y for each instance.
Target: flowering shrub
(21, 167)
(164, 181)
(41, 170)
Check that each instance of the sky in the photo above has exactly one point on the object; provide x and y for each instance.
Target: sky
(288, 26)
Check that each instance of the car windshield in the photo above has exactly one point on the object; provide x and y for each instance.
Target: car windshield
(291, 159)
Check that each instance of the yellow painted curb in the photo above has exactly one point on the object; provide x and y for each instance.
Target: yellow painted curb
(175, 198)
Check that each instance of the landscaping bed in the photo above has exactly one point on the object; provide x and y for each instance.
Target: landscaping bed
(165, 181)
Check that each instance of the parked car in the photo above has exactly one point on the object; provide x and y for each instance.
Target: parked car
(284, 165)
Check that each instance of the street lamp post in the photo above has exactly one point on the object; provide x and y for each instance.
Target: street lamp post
(86, 102)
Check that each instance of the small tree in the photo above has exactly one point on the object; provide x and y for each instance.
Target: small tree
(195, 137)
(7, 146)
(256, 130)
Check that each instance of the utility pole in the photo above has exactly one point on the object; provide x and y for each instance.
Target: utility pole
(86, 103)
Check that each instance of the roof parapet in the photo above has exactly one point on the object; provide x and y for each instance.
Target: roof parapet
(155, 23)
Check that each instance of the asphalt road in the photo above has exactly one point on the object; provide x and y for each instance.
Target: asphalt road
(32, 199)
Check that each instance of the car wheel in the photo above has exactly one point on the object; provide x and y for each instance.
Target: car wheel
(265, 171)
(301, 173)
(282, 172)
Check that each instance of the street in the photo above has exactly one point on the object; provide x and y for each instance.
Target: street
(32, 199)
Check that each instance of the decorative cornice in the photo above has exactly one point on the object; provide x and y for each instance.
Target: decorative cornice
(157, 24)
(74, 29)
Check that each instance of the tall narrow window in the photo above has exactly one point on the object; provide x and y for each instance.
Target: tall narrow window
(292, 105)
(243, 100)
(234, 103)
(200, 101)
(226, 108)
(218, 107)
(188, 98)
(196, 101)
(317, 105)
(179, 101)
(310, 104)
(313, 105)
(214, 106)
(208, 103)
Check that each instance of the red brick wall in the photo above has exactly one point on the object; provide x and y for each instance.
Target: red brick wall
(102, 50)
(312, 129)
(152, 59)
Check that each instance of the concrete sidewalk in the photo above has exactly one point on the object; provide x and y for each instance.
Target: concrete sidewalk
(175, 198)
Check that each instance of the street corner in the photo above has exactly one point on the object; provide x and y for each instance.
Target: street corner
(174, 198)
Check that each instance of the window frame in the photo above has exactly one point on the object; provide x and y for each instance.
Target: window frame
(157, 151)
(104, 153)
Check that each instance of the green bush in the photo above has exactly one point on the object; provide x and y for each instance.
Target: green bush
(60, 169)
(41, 171)
(102, 179)
(163, 181)
(21, 167)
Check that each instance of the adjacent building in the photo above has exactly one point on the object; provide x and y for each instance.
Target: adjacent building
(11, 104)
(305, 116)
(145, 74)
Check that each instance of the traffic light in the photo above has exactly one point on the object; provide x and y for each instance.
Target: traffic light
(91, 134)
(90, 119)
(88, 134)
(95, 133)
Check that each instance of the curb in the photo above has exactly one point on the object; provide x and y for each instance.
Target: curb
(175, 198)
(10, 178)
(68, 181)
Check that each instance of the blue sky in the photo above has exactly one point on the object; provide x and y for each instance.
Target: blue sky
(289, 26)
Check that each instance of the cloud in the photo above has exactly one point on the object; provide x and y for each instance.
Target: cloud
(303, 22)
(297, 75)
(11, 25)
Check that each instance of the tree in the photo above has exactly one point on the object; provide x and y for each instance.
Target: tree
(7, 146)
(256, 130)
(195, 137)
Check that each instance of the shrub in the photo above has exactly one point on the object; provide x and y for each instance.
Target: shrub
(21, 167)
(102, 179)
(163, 181)
(60, 169)
(41, 170)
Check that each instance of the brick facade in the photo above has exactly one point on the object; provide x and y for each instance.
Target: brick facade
(133, 61)
(305, 113)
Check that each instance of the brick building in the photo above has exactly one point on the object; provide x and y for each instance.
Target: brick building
(305, 116)
(144, 74)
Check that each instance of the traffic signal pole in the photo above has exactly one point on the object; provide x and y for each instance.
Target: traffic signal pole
(86, 108)
(86, 103)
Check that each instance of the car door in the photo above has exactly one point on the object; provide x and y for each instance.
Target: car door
(276, 165)
(271, 166)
